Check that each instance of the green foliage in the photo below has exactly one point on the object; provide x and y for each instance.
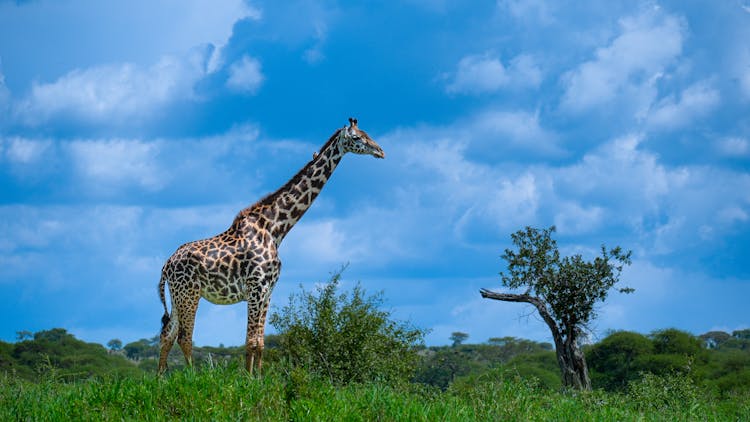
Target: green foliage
(24, 335)
(742, 334)
(346, 338)
(624, 357)
(570, 285)
(541, 367)
(142, 349)
(58, 352)
(563, 290)
(225, 392)
(457, 337)
(667, 392)
(616, 360)
(440, 366)
(713, 339)
(676, 342)
(114, 344)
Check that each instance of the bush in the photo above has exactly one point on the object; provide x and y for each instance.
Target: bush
(665, 393)
(346, 338)
(617, 360)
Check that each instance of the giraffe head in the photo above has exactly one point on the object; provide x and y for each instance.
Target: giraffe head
(352, 139)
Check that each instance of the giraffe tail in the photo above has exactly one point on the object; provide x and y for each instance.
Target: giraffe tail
(162, 296)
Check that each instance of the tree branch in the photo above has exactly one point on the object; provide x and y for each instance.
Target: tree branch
(538, 303)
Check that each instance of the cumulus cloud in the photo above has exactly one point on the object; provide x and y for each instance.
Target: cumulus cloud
(694, 102)
(114, 93)
(245, 75)
(23, 150)
(620, 183)
(537, 11)
(628, 68)
(474, 196)
(734, 147)
(163, 28)
(320, 241)
(575, 218)
(477, 74)
(111, 167)
(4, 93)
(314, 54)
(519, 129)
(117, 162)
(163, 65)
(741, 70)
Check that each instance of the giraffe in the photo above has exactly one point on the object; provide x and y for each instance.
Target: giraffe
(242, 263)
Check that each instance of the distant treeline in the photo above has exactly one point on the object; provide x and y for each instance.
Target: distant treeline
(716, 360)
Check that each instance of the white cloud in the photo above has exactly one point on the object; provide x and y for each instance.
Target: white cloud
(628, 68)
(537, 11)
(107, 29)
(25, 151)
(734, 147)
(314, 54)
(4, 93)
(245, 75)
(479, 74)
(621, 184)
(695, 102)
(519, 129)
(618, 173)
(118, 162)
(573, 218)
(473, 196)
(741, 69)
(319, 241)
(665, 208)
(100, 167)
(117, 93)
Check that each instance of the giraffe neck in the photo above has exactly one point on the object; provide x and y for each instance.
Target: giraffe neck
(286, 206)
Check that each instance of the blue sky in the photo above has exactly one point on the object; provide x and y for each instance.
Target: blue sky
(130, 127)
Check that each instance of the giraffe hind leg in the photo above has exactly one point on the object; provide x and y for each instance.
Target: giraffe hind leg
(170, 326)
(186, 324)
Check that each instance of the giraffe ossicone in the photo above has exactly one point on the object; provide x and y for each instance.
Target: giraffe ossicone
(242, 263)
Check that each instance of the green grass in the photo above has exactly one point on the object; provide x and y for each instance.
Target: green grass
(227, 393)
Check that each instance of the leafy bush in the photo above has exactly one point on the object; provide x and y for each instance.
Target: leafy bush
(616, 360)
(346, 338)
(439, 367)
(666, 393)
(541, 367)
(60, 353)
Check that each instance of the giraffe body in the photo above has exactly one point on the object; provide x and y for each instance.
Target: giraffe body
(242, 263)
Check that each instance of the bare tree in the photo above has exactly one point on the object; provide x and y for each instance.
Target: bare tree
(563, 291)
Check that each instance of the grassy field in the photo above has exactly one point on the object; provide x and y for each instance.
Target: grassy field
(226, 393)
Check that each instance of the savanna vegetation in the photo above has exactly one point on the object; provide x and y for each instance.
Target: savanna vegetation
(339, 355)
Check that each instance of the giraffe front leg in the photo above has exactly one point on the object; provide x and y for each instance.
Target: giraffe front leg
(259, 297)
(256, 324)
(253, 340)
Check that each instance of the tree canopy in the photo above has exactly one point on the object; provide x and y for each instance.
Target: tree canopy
(564, 290)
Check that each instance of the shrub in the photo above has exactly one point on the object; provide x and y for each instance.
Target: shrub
(346, 337)
(672, 392)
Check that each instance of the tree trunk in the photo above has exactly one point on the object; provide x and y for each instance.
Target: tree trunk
(573, 368)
